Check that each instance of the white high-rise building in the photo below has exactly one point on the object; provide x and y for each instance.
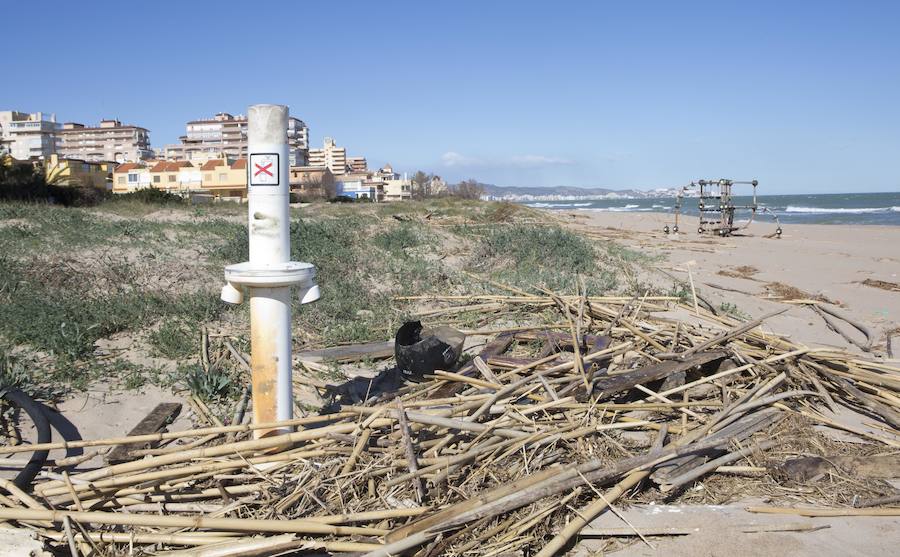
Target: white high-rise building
(28, 135)
(225, 135)
(330, 156)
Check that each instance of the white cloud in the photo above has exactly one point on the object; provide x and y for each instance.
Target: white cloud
(454, 159)
(538, 160)
(451, 158)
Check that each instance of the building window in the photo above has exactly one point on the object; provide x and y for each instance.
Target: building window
(156, 179)
(222, 176)
(122, 180)
(171, 178)
(132, 178)
(207, 177)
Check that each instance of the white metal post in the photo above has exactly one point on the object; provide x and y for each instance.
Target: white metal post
(269, 273)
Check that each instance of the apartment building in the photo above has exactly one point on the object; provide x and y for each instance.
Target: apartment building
(357, 164)
(28, 135)
(330, 156)
(225, 136)
(109, 141)
(76, 172)
(395, 188)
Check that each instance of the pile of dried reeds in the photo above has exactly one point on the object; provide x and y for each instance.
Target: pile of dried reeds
(520, 448)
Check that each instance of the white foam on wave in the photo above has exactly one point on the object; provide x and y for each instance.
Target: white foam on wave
(615, 209)
(846, 210)
(556, 205)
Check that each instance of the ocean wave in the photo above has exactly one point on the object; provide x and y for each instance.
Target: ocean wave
(615, 209)
(556, 205)
(846, 210)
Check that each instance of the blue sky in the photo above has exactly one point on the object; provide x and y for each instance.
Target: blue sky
(804, 96)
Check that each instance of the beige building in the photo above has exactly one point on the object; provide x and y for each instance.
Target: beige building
(396, 188)
(223, 178)
(110, 141)
(26, 136)
(312, 181)
(225, 136)
(219, 177)
(330, 156)
(175, 176)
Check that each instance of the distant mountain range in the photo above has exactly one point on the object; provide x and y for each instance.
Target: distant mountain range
(553, 193)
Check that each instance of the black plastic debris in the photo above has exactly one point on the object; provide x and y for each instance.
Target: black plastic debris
(421, 350)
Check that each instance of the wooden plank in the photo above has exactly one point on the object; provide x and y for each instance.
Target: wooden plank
(350, 353)
(608, 386)
(161, 416)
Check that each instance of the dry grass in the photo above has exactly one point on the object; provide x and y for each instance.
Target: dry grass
(741, 272)
(882, 284)
(787, 292)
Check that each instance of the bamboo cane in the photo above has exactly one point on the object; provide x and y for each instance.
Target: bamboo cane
(228, 524)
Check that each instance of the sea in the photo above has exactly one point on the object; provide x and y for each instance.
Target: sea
(830, 208)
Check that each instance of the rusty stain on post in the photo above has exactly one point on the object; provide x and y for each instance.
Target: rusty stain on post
(264, 368)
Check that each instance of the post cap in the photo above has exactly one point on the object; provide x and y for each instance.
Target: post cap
(267, 123)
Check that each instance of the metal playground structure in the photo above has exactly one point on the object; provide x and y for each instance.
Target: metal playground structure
(715, 203)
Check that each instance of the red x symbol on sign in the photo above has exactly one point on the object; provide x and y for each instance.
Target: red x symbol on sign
(260, 169)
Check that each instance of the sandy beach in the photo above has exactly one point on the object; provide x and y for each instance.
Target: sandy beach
(855, 267)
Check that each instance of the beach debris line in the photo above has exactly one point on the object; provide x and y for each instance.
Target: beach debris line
(541, 429)
(717, 208)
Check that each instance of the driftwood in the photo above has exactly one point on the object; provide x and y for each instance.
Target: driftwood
(353, 353)
(811, 512)
(609, 386)
(688, 530)
(829, 314)
(162, 415)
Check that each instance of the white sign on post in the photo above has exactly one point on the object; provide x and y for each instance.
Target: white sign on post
(264, 169)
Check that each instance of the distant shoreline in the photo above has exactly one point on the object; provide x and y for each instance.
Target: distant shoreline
(691, 219)
(854, 209)
(641, 194)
